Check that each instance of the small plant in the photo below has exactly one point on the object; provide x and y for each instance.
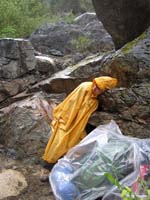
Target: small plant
(126, 192)
(81, 43)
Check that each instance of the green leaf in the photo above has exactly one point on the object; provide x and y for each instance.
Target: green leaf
(148, 192)
(128, 189)
(112, 179)
(124, 193)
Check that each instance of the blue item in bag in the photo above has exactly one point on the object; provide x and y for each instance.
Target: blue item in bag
(65, 187)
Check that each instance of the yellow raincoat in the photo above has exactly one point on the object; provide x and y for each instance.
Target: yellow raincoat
(71, 116)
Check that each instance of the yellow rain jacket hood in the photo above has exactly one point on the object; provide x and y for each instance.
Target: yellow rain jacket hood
(71, 116)
(105, 83)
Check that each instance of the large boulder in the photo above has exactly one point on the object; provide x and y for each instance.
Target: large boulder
(16, 58)
(131, 64)
(124, 19)
(85, 35)
(25, 127)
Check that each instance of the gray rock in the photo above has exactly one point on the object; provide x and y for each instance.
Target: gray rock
(45, 65)
(16, 58)
(130, 108)
(124, 20)
(131, 63)
(85, 35)
(26, 134)
(12, 183)
(85, 18)
(10, 88)
(67, 79)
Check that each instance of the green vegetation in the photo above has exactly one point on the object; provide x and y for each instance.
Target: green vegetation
(19, 18)
(126, 49)
(126, 192)
(74, 6)
(67, 17)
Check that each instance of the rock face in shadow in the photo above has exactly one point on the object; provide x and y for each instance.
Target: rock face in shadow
(124, 19)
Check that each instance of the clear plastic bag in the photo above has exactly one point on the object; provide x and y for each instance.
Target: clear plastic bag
(79, 175)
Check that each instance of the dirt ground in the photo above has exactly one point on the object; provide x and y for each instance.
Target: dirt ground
(36, 190)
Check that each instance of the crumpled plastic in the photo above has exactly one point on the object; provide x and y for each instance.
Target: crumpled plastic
(79, 175)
